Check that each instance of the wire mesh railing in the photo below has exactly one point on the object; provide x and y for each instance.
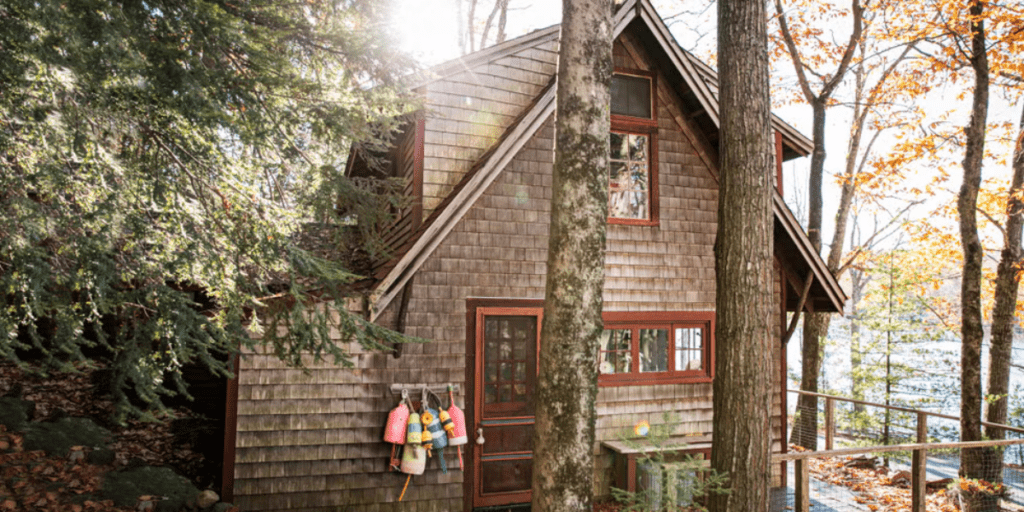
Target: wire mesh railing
(864, 456)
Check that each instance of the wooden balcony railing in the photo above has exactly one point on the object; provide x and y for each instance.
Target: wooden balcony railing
(919, 449)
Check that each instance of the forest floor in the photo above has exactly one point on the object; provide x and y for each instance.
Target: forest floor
(46, 466)
(878, 489)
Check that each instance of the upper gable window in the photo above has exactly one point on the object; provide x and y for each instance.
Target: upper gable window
(631, 96)
(633, 137)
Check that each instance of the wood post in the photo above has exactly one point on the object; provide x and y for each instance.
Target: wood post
(802, 501)
(830, 423)
(918, 468)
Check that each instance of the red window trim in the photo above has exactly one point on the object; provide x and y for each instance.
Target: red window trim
(653, 120)
(668, 320)
(652, 200)
(642, 126)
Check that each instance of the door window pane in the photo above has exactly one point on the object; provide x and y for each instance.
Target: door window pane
(509, 348)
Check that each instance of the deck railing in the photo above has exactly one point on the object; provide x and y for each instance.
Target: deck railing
(830, 423)
(918, 449)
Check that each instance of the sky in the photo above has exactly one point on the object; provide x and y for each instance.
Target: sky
(429, 30)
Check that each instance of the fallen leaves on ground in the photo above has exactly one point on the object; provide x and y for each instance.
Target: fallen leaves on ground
(875, 488)
(32, 481)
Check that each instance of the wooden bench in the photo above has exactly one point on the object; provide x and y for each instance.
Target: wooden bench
(627, 452)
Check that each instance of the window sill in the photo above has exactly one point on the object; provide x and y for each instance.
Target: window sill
(606, 381)
(633, 222)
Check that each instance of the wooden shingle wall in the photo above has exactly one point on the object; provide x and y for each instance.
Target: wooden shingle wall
(312, 441)
(403, 166)
(470, 110)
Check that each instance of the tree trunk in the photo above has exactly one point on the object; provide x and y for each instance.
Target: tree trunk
(816, 324)
(856, 353)
(973, 463)
(1007, 283)
(470, 26)
(499, 5)
(502, 19)
(743, 262)
(563, 460)
(805, 425)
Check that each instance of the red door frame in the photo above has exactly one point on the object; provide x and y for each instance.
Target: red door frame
(474, 373)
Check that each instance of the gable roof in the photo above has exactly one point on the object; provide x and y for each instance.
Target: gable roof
(699, 78)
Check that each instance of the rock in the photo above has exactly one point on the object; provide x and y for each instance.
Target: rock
(77, 454)
(101, 457)
(206, 499)
(58, 437)
(125, 487)
(935, 485)
(862, 462)
(15, 413)
(900, 478)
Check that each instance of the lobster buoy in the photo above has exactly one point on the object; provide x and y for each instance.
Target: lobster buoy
(457, 434)
(394, 430)
(414, 457)
(427, 440)
(437, 433)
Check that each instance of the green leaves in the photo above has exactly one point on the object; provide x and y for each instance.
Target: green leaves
(159, 162)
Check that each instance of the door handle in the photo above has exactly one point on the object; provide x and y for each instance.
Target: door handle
(480, 436)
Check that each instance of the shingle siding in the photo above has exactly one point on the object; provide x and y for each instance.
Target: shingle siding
(312, 440)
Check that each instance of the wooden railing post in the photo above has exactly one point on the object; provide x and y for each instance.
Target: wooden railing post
(830, 423)
(918, 469)
(802, 499)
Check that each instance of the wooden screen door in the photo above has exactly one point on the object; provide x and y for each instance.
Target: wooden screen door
(506, 345)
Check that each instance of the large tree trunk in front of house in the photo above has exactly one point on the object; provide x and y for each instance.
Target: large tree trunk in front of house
(743, 262)
(563, 456)
(974, 462)
(1007, 283)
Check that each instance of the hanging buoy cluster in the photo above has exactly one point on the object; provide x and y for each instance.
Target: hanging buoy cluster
(433, 428)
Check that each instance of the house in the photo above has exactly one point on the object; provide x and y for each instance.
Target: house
(468, 271)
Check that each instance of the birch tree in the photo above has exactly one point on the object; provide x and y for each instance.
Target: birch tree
(567, 389)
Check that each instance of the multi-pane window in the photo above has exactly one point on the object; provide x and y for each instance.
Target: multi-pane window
(629, 176)
(508, 342)
(674, 347)
(632, 180)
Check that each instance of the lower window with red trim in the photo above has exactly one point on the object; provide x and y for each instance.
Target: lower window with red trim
(660, 347)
